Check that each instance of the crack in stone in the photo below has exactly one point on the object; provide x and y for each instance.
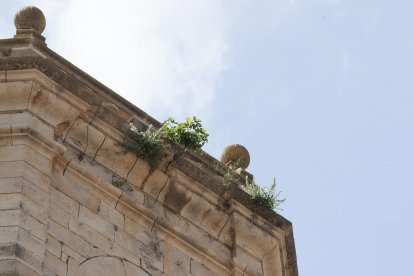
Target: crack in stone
(87, 138)
(146, 179)
(100, 146)
(66, 167)
(222, 228)
(11, 135)
(30, 97)
(153, 224)
(175, 158)
(165, 184)
(93, 257)
(204, 255)
(119, 198)
(129, 171)
(268, 252)
(70, 128)
(94, 114)
(123, 265)
(244, 270)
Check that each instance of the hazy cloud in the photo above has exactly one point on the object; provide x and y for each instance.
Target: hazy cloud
(166, 57)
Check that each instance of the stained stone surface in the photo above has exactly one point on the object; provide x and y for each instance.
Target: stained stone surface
(30, 18)
(60, 212)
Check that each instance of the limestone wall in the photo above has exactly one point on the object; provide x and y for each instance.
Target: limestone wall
(61, 214)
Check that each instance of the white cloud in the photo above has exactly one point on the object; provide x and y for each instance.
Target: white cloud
(166, 57)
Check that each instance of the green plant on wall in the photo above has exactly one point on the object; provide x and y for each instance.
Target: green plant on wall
(151, 144)
(189, 134)
(264, 196)
(229, 173)
(148, 145)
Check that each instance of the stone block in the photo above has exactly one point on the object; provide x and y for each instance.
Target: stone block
(104, 266)
(133, 270)
(31, 243)
(175, 196)
(272, 263)
(112, 115)
(175, 269)
(175, 261)
(59, 199)
(137, 231)
(23, 255)
(25, 221)
(85, 137)
(55, 265)
(205, 215)
(26, 154)
(138, 173)
(252, 265)
(72, 240)
(12, 267)
(59, 215)
(246, 231)
(73, 266)
(25, 170)
(15, 95)
(111, 156)
(72, 254)
(6, 139)
(112, 215)
(20, 201)
(50, 107)
(147, 266)
(103, 243)
(53, 246)
(199, 269)
(75, 191)
(97, 222)
(15, 234)
(126, 206)
(35, 193)
(23, 121)
(155, 183)
(149, 252)
(8, 234)
(64, 257)
(10, 185)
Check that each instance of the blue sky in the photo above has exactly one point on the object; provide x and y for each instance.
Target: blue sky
(319, 91)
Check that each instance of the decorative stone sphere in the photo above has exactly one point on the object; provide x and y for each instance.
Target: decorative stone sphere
(237, 154)
(30, 18)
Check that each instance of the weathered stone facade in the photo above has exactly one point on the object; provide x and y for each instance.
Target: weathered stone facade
(60, 214)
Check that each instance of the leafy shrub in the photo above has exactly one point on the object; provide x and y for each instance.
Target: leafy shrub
(264, 196)
(148, 145)
(190, 134)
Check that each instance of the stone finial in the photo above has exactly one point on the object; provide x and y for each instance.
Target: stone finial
(237, 154)
(29, 20)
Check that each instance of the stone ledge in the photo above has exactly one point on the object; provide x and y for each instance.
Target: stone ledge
(106, 108)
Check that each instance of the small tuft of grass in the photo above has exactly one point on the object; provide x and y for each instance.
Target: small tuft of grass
(264, 196)
(148, 145)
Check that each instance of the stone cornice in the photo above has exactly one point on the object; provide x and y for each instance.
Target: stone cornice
(23, 55)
